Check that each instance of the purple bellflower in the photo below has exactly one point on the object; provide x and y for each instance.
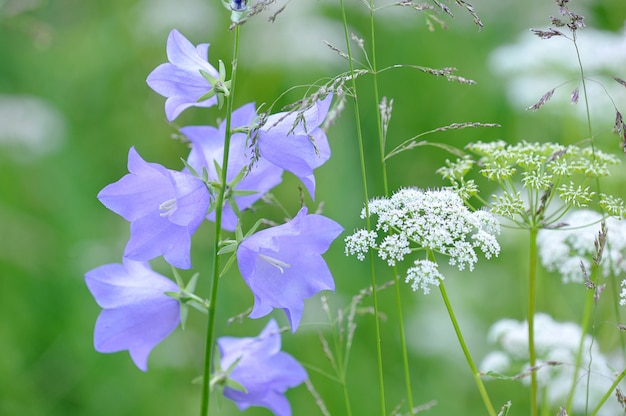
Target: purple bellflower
(181, 80)
(208, 150)
(283, 265)
(164, 207)
(136, 315)
(300, 149)
(262, 369)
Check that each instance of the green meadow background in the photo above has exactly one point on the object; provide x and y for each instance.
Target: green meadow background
(73, 100)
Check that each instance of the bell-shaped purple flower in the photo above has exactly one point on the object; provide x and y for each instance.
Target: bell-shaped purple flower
(262, 369)
(283, 265)
(165, 207)
(296, 143)
(208, 150)
(180, 80)
(136, 315)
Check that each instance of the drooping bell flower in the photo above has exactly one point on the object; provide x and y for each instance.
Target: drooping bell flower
(164, 207)
(262, 369)
(208, 151)
(283, 265)
(295, 142)
(183, 79)
(137, 314)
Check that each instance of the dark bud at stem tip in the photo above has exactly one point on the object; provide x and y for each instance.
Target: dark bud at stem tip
(238, 5)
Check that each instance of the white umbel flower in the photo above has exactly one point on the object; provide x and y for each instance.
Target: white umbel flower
(435, 221)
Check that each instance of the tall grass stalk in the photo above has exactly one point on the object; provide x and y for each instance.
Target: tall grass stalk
(381, 142)
(379, 355)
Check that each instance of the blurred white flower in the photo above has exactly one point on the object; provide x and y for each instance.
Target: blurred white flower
(556, 343)
(534, 66)
(564, 249)
(30, 127)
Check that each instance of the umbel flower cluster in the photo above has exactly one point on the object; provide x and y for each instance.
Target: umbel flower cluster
(545, 171)
(431, 221)
(281, 265)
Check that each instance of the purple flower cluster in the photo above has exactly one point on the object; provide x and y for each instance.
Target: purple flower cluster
(281, 265)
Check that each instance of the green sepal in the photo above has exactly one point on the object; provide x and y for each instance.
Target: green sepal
(242, 173)
(190, 168)
(239, 233)
(222, 70)
(208, 95)
(218, 168)
(184, 312)
(254, 228)
(173, 295)
(197, 305)
(235, 386)
(229, 263)
(244, 193)
(209, 77)
(191, 286)
(228, 246)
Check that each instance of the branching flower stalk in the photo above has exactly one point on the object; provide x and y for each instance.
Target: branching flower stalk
(368, 223)
(210, 333)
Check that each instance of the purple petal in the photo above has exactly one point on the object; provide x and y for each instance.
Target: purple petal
(299, 149)
(165, 208)
(283, 265)
(262, 369)
(181, 79)
(137, 314)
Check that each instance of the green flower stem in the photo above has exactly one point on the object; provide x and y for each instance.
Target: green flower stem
(468, 357)
(381, 141)
(532, 299)
(609, 392)
(379, 354)
(210, 333)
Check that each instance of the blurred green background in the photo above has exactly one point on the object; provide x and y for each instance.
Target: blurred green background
(73, 99)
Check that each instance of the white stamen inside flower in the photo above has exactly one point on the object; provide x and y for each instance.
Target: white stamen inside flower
(168, 207)
(280, 265)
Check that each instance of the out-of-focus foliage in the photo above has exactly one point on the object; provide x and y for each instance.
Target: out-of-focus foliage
(73, 100)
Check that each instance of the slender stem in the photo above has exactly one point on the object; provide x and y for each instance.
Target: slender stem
(379, 354)
(381, 141)
(468, 357)
(208, 351)
(584, 83)
(532, 300)
(609, 392)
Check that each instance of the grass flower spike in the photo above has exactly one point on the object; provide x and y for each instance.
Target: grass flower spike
(136, 315)
(283, 265)
(165, 208)
(262, 369)
(183, 80)
(208, 152)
